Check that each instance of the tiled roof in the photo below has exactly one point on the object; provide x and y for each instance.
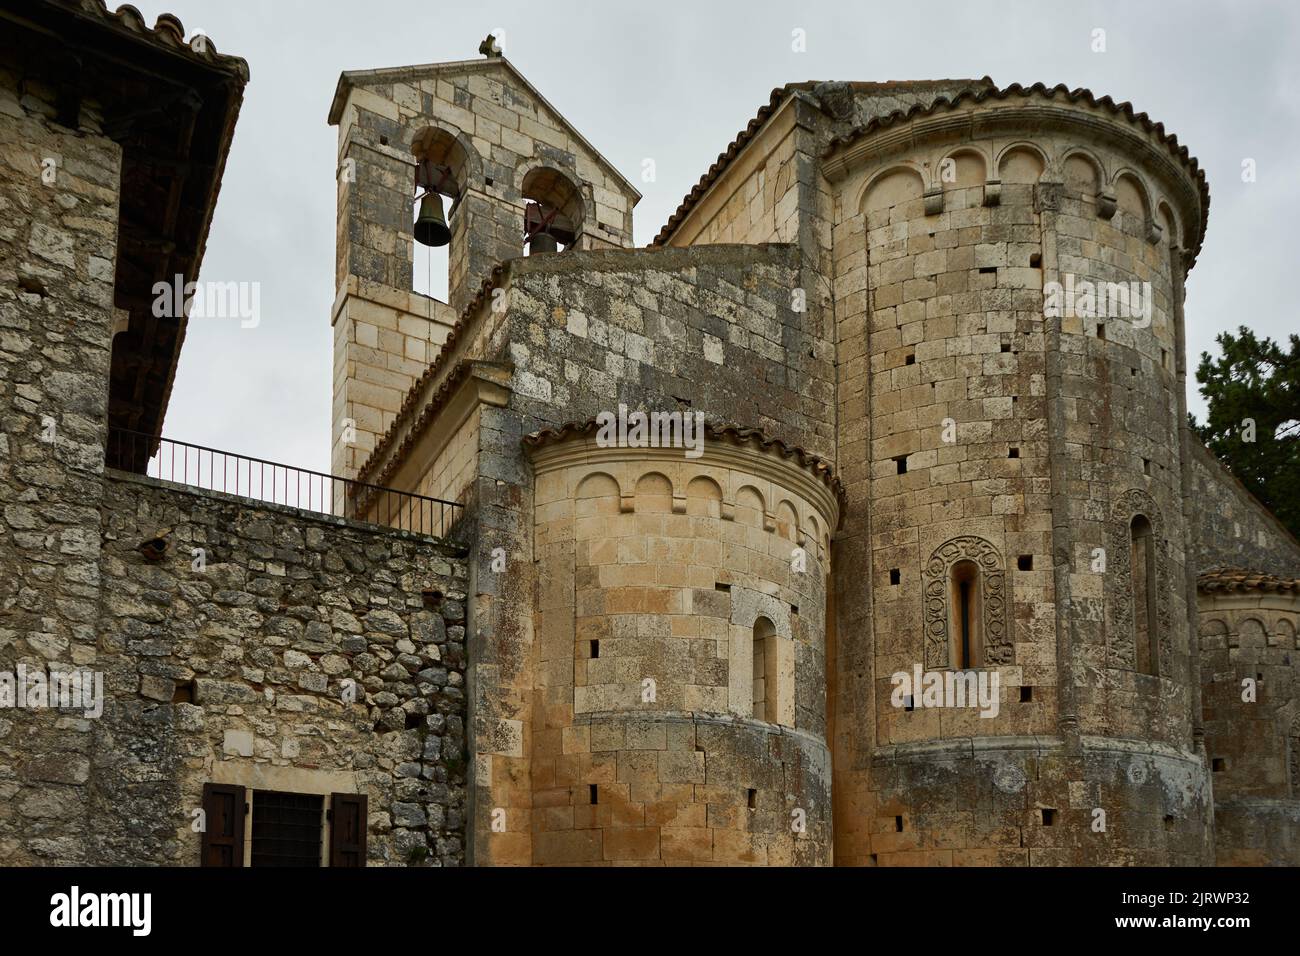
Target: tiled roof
(170, 171)
(1244, 579)
(777, 97)
(735, 434)
(168, 32)
(725, 157)
(1078, 95)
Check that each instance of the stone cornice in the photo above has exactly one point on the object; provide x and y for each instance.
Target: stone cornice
(792, 469)
(1077, 115)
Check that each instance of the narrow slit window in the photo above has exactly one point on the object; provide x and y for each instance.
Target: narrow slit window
(764, 673)
(967, 634)
(1143, 568)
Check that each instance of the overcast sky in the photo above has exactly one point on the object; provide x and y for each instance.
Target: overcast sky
(674, 82)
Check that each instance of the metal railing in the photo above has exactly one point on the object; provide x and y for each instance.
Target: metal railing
(210, 469)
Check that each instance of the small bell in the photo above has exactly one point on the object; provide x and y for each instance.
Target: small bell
(542, 242)
(431, 225)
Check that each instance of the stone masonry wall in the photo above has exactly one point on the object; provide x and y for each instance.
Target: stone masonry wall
(383, 339)
(656, 567)
(230, 664)
(58, 238)
(1231, 528)
(1250, 673)
(708, 329)
(995, 435)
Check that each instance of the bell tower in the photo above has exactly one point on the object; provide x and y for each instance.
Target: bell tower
(464, 154)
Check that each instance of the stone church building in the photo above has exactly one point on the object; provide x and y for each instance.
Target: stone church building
(494, 636)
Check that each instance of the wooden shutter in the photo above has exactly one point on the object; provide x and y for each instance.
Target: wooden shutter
(348, 822)
(223, 833)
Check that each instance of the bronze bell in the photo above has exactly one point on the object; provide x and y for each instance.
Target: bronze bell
(431, 225)
(542, 242)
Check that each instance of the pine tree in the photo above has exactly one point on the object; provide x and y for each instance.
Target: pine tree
(1253, 424)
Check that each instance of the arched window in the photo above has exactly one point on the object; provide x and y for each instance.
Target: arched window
(1139, 620)
(765, 669)
(1142, 566)
(552, 211)
(967, 628)
(965, 604)
(440, 174)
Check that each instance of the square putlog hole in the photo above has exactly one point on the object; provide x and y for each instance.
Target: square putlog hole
(1025, 562)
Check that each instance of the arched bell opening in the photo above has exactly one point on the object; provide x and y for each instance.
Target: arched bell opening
(440, 178)
(552, 211)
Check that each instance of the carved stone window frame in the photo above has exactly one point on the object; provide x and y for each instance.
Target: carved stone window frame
(1121, 633)
(935, 576)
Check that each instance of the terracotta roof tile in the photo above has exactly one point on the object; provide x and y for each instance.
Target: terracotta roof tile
(1244, 579)
(724, 159)
(777, 97)
(167, 32)
(1078, 95)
